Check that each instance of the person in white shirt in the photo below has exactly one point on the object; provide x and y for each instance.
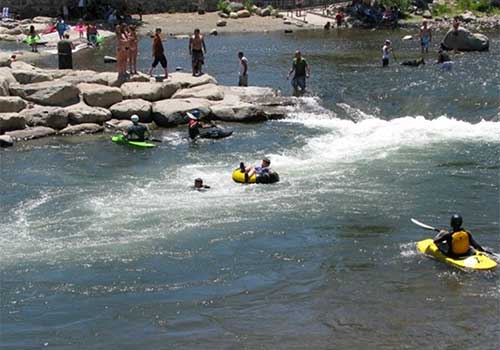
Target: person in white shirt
(243, 74)
(386, 50)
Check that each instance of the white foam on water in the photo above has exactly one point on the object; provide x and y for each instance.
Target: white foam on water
(138, 210)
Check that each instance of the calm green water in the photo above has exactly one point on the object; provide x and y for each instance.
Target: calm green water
(105, 247)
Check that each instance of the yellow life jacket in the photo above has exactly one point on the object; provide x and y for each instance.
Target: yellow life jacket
(460, 243)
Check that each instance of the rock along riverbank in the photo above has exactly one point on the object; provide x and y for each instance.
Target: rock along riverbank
(37, 102)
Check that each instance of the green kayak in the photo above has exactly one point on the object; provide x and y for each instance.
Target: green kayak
(120, 139)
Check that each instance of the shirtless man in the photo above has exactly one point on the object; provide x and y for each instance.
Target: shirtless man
(197, 49)
(425, 37)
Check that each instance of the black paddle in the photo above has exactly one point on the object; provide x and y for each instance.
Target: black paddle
(427, 227)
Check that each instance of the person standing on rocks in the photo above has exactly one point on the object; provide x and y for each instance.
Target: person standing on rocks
(243, 74)
(65, 53)
(425, 37)
(132, 58)
(197, 49)
(302, 71)
(61, 28)
(121, 51)
(158, 54)
(32, 39)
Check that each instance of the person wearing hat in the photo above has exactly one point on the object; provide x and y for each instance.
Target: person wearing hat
(195, 123)
(198, 184)
(251, 170)
(136, 131)
(386, 50)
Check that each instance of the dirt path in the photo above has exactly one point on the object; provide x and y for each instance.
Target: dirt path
(185, 23)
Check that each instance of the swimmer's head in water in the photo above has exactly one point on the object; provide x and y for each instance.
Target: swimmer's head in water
(198, 183)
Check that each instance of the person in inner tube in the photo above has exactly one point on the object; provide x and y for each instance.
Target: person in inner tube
(195, 123)
(264, 168)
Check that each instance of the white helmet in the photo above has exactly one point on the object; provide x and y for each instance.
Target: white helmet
(134, 118)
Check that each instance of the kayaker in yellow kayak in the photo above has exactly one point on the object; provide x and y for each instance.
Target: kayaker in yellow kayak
(458, 241)
(136, 131)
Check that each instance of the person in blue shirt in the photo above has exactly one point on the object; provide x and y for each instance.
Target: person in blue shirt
(258, 170)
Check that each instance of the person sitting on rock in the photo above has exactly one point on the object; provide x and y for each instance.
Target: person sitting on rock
(199, 186)
(136, 131)
(251, 170)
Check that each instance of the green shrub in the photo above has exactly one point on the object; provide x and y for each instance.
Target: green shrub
(402, 5)
(248, 5)
(441, 9)
(474, 5)
(223, 6)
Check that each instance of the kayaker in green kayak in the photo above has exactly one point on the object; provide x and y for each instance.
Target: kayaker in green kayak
(458, 241)
(136, 131)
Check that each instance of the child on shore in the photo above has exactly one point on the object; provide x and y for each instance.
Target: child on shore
(80, 28)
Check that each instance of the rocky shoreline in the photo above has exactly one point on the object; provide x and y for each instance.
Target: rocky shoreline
(37, 102)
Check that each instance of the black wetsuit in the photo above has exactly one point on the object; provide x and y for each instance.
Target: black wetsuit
(447, 248)
(136, 132)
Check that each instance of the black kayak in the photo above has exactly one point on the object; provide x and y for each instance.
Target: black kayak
(209, 133)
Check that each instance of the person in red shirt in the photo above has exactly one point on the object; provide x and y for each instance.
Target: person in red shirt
(158, 53)
(339, 18)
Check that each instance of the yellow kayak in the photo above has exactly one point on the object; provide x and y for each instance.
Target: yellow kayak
(267, 178)
(475, 261)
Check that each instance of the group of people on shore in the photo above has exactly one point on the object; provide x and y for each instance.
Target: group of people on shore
(126, 50)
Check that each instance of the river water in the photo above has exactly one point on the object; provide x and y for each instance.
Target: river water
(105, 247)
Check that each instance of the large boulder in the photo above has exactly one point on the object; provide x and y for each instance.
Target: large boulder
(112, 79)
(172, 112)
(186, 80)
(100, 95)
(232, 15)
(49, 93)
(236, 6)
(52, 117)
(464, 40)
(20, 65)
(127, 108)
(266, 12)
(243, 14)
(115, 125)
(149, 91)
(9, 104)
(6, 141)
(209, 91)
(43, 19)
(85, 128)
(6, 73)
(11, 121)
(31, 133)
(244, 112)
(81, 113)
(4, 86)
(4, 59)
(30, 76)
(76, 77)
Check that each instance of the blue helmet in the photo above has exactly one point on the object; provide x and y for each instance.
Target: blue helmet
(195, 113)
